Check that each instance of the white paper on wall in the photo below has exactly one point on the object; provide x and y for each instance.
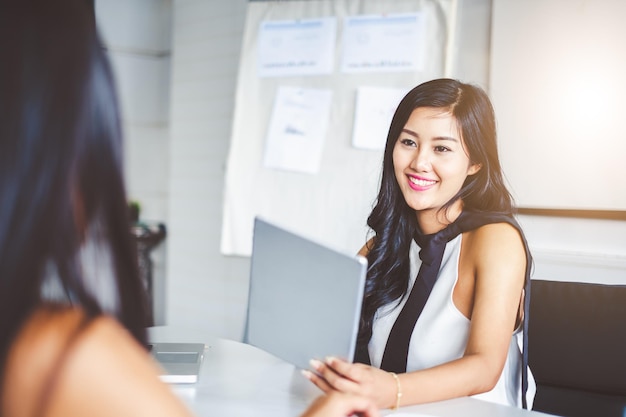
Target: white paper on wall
(383, 43)
(296, 47)
(297, 129)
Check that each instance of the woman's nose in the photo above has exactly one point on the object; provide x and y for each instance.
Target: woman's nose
(421, 161)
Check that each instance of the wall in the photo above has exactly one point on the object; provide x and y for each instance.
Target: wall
(586, 250)
(137, 37)
(566, 76)
(206, 290)
(180, 175)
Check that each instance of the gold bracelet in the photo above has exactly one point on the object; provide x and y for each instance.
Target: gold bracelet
(398, 391)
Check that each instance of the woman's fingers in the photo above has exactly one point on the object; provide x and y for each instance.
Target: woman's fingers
(346, 369)
(317, 380)
(338, 375)
(332, 377)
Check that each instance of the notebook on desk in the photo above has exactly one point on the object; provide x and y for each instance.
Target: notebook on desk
(180, 362)
(304, 298)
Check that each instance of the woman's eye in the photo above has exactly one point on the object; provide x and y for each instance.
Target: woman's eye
(407, 142)
(441, 149)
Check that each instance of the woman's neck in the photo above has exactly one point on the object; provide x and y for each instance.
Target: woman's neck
(432, 221)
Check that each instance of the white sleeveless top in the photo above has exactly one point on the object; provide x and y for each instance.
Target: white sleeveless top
(441, 332)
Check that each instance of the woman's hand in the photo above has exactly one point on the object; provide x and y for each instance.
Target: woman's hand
(337, 375)
(341, 405)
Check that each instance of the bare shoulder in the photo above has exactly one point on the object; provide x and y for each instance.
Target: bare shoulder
(496, 250)
(36, 349)
(496, 237)
(104, 371)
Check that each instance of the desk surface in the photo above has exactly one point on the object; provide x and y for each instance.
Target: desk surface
(240, 380)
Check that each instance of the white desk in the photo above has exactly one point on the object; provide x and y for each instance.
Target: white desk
(240, 380)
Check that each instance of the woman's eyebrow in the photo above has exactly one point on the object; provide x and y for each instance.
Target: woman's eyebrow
(412, 133)
(448, 138)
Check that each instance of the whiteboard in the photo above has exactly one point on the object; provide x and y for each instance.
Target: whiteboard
(331, 206)
(559, 89)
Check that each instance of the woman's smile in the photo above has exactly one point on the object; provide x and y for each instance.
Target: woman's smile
(419, 183)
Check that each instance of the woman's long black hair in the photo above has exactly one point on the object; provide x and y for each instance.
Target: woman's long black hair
(394, 223)
(60, 164)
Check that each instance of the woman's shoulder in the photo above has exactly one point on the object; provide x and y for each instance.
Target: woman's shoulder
(495, 241)
(53, 330)
(494, 233)
(37, 349)
(83, 367)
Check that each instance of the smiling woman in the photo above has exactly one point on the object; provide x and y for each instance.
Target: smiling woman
(442, 313)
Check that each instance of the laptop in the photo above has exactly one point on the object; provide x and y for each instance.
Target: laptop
(304, 298)
(180, 362)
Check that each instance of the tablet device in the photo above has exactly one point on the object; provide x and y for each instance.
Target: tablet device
(304, 298)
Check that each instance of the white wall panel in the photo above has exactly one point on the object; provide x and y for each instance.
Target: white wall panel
(206, 291)
(137, 37)
(136, 25)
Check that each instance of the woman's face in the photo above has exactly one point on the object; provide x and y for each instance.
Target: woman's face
(429, 159)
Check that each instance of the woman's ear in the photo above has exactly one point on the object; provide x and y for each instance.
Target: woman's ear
(474, 168)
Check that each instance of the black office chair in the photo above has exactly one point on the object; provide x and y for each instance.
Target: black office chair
(577, 348)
